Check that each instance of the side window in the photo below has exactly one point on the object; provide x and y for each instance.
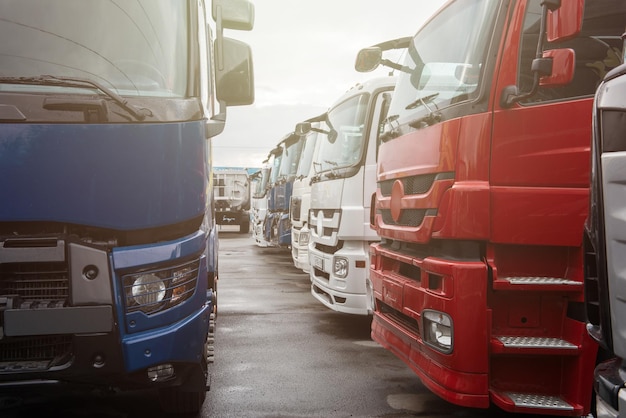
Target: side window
(597, 49)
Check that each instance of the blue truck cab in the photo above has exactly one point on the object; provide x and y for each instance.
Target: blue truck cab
(108, 244)
(284, 171)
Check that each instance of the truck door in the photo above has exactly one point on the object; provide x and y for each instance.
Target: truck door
(540, 146)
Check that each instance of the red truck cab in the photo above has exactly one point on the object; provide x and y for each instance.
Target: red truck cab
(481, 200)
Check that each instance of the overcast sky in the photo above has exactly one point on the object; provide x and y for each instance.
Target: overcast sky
(304, 53)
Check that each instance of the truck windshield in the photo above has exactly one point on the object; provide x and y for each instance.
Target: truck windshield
(442, 76)
(259, 186)
(134, 48)
(348, 120)
(306, 159)
(289, 162)
(276, 158)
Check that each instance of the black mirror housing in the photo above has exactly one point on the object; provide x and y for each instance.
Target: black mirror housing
(368, 59)
(235, 78)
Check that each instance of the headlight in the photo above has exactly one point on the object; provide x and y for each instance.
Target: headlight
(303, 239)
(147, 289)
(340, 267)
(156, 290)
(437, 330)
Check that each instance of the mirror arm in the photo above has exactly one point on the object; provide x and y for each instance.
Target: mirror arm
(395, 66)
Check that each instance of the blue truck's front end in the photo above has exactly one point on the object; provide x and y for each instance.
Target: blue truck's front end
(108, 250)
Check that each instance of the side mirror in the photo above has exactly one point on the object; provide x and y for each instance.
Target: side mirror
(565, 21)
(234, 78)
(234, 14)
(368, 59)
(303, 128)
(563, 64)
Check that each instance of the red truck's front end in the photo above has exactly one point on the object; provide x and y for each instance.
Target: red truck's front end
(481, 199)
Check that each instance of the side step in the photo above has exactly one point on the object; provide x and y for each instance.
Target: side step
(532, 345)
(537, 283)
(534, 403)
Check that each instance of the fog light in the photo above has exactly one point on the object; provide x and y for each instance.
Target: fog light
(160, 372)
(437, 330)
(340, 267)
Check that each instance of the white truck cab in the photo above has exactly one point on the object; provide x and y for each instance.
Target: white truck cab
(341, 193)
(259, 204)
(301, 199)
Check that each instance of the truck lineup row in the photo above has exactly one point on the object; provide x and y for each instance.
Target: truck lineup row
(472, 203)
(449, 202)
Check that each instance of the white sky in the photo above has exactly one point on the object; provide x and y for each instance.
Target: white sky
(304, 54)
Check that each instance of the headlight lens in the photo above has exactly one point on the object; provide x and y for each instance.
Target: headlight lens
(437, 330)
(147, 289)
(303, 239)
(156, 290)
(340, 267)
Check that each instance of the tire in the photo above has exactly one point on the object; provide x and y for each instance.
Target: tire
(185, 399)
(244, 227)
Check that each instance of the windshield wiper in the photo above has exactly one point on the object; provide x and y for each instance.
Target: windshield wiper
(422, 101)
(332, 173)
(433, 117)
(51, 80)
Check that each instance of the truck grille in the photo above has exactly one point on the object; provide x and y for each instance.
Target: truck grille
(34, 353)
(408, 217)
(35, 281)
(399, 318)
(412, 185)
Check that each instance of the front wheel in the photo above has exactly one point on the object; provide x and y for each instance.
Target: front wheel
(187, 398)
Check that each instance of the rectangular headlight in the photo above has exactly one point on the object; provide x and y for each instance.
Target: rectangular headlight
(340, 267)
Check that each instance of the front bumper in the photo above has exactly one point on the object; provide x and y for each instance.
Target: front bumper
(347, 295)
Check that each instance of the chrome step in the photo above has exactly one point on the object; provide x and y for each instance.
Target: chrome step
(535, 342)
(536, 401)
(540, 281)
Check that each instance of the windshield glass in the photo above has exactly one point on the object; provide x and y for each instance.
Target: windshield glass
(306, 158)
(260, 183)
(348, 120)
(275, 167)
(444, 60)
(291, 157)
(136, 48)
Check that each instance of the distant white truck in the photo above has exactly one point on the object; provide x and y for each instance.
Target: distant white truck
(231, 191)
(258, 185)
(301, 199)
